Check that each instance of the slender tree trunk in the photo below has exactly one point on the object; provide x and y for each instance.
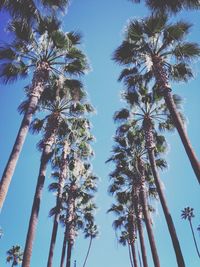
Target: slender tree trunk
(194, 238)
(69, 253)
(63, 176)
(168, 217)
(162, 81)
(49, 140)
(141, 234)
(150, 145)
(70, 231)
(130, 255)
(139, 257)
(64, 248)
(143, 197)
(90, 244)
(35, 207)
(39, 79)
(134, 254)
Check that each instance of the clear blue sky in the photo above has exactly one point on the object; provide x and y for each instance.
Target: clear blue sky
(101, 23)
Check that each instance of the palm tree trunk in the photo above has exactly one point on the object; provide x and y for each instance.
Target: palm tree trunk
(139, 257)
(134, 254)
(150, 145)
(90, 244)
(62, 261)
(182, 133)
(162, 81)
(53, 240)
(168, 217)
(69, 253)
(130, 255)
(63, 175)
(195, 242)
(143, 197)
(141, 234)
(36, 206)
(39, 79)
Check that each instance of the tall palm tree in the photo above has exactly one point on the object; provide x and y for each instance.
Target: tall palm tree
(78, 211)
(128, 157)
(150, 113)
(77, 134)
(91, 232)
(14, 255)
(170, 6)
(155, 50)
(62, 114)
(188, 214)
(44, 50)
(126, 222)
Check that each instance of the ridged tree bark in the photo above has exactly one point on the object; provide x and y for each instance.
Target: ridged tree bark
(162, 81)
(62, 178)
(150, 145)
(132, 236)
(147, 219)
(40, 77)
(49, 140)
(140, 231)
(70, 223)
(69, 234)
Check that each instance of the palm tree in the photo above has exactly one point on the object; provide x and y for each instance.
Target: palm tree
(129, 159)
(170, 6)
(30, 11)
(188, 214)
(150, 113)
(15, 255)
(46, 50)
(79, 209)
(62, 114)
(91, 232)
(126, 222)
(149, 50)
(77, 134)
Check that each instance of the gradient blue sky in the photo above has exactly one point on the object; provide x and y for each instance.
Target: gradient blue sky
(101, 23)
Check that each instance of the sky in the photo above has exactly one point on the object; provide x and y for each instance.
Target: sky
(101, 23)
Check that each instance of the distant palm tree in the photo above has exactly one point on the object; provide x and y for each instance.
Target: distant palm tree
(15, 255)
(154, 50)
(91, 232)
(150, 113)
(188, 214)
(73, 138)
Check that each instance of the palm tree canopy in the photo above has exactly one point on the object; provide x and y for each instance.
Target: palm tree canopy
(45, 46)
(150, 39)
(15, 255)
(31, 10)
(187, 213)
(169, 5)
